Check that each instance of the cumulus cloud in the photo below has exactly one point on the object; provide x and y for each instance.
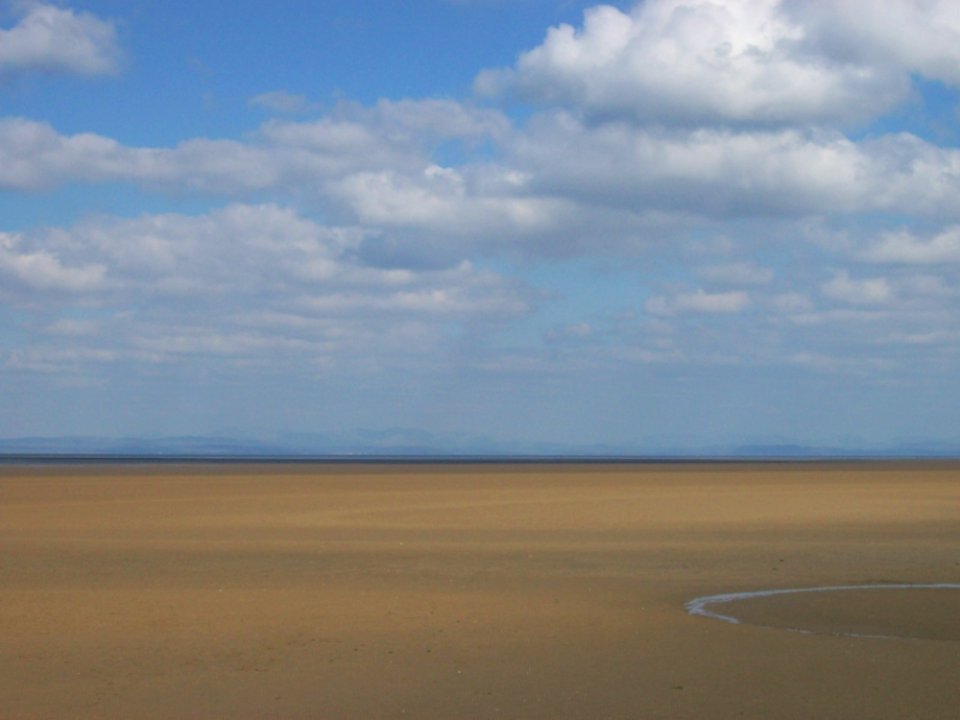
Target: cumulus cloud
(43, 270)
(906, 248)
(447, 201)
(240, 249)
(242, 281)
(725, 173)
(908, 36)
(35, 156)
(410, 188)
(742, 61)
(868, 291)
(49, 38)
(283, 155)
(378, 165)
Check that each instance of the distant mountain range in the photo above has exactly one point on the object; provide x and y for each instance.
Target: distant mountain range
(400, 443)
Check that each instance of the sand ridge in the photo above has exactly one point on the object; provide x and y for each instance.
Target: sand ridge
(530, 591)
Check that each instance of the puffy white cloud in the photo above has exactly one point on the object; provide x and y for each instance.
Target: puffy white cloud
(33, 155)
(905, 247)
(753, 61)
(282, 156)
(243, 282)
(388, 131)
(57, 39)
(43, 270)
(447, 202)
(556, 175)
(240, 249)
(727, 173)
(911, 36)
(869, 291)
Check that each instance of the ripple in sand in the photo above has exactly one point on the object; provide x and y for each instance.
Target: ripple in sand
(906, 611)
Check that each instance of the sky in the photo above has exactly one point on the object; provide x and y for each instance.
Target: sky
(672, 225)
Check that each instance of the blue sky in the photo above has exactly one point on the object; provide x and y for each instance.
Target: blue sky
(675, 225)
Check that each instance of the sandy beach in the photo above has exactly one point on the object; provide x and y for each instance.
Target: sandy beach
(469, 591)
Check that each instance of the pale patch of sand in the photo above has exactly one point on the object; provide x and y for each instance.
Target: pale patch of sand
(466, 592)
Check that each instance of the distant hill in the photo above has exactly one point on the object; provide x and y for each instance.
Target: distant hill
(399, 442)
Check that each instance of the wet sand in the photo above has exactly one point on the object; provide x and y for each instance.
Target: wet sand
(886, 611)
(298, 591)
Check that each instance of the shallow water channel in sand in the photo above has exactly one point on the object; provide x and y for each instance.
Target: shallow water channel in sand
(889, 610)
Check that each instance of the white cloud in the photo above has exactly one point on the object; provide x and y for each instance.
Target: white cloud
(389, 127)
(683, 61)
(33, 155)
(869, 291)
(244, 282)
(723, 303)
(906, 248)
(915, 36)
(43, 270)
(291, 157)
(559, 178)
(726, 173)
(447, 202)
(49, 38)
(753, 61)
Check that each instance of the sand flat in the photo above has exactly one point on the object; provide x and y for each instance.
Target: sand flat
(879, 611)
(494, 591)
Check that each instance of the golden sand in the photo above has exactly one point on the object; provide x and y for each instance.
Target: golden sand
(297, 591)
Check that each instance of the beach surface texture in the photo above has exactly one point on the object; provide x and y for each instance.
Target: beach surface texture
(479, 591)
